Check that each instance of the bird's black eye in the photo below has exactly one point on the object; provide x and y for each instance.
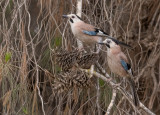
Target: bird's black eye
(108, 42)
(73, 17)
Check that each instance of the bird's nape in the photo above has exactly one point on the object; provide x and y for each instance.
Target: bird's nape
(117, 41)
(101, 43)
(124, 45)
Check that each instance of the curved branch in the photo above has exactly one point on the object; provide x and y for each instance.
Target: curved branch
(112, 102)
(126, 95)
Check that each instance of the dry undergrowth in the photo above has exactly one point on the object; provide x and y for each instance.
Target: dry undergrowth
(30, 31)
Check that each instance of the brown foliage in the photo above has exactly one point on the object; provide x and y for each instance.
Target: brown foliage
(30, 30)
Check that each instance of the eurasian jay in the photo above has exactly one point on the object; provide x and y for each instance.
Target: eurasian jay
(87, 33)
(118, 64)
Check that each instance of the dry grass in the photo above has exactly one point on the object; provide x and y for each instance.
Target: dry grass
(31, 30)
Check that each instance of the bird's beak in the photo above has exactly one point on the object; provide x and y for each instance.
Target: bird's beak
(64, 16)
(101, 43)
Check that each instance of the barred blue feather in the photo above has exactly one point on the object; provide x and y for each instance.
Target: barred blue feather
(91, 33)
(125, 65)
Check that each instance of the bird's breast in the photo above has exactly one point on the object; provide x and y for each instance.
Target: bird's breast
(86, 38)
(78, 33)
(115, 66)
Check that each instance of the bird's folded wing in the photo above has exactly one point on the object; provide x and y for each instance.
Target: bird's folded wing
(127, 67)
(93, 31)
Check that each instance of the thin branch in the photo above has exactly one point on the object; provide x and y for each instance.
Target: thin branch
(112, 102)
(155, 89)
(79, 13)
(126, 95)
(98, 95)
(37, 71)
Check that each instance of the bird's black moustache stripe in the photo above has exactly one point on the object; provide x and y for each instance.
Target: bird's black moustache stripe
(71, 20)
(108, 45)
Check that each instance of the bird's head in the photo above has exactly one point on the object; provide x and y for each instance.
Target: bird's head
(73, 18)
(110, 43)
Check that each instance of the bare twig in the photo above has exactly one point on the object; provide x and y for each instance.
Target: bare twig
(79, 13)
(112, 102)
(127, 95)
(43, 30)
(37, 70)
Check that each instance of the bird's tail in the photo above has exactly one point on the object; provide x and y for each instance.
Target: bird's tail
(134, 93)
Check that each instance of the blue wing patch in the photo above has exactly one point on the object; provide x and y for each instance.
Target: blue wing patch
(125, 65)
(91, 33)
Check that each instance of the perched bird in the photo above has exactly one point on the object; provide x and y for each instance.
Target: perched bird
(118, 64)
(87, 33)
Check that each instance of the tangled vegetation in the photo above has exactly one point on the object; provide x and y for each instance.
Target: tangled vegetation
(32, 30)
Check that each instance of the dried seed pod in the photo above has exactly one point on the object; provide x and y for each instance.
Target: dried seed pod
(67, 59)
(70, 59)
(66, 81)
(86, 60)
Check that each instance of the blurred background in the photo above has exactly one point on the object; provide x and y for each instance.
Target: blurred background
(31, 30)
